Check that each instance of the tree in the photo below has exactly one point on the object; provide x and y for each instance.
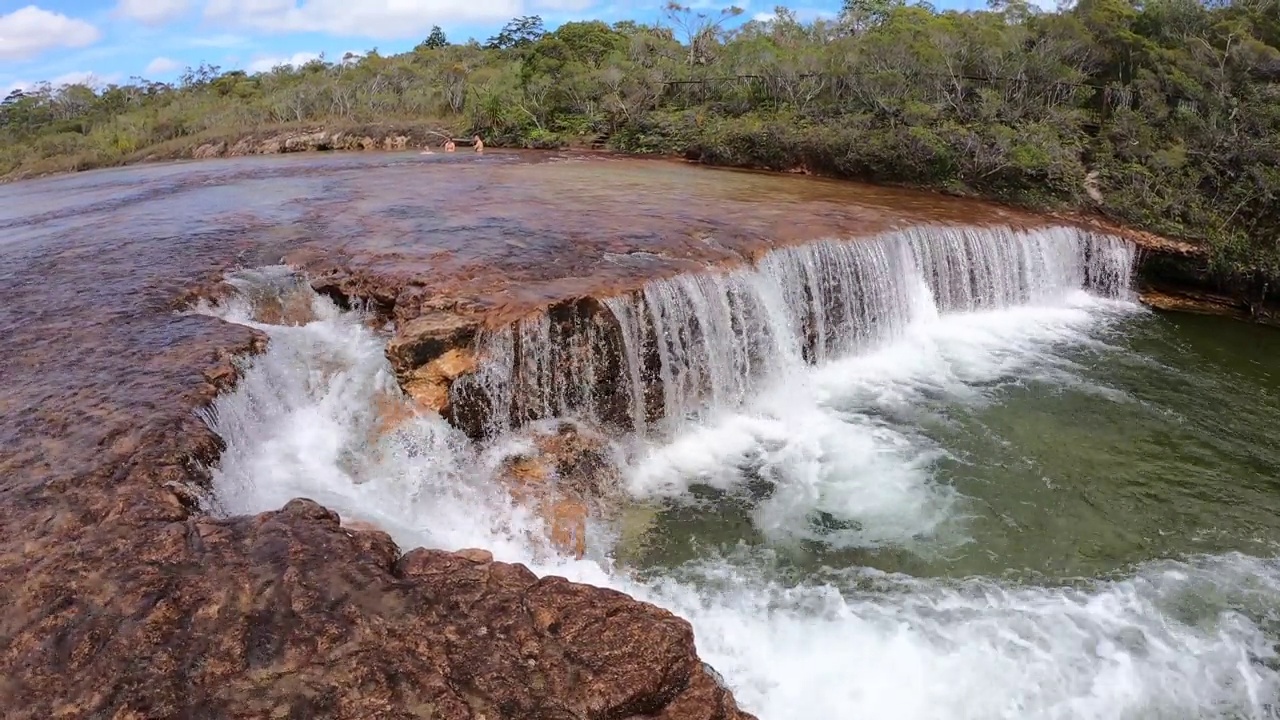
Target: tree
(863, 14)
(589, 42)
(199, 76)
(701, 30)
(434, 41)
(520, 32)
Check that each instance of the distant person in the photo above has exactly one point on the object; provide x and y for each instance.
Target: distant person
(449, 146)
(479, 143)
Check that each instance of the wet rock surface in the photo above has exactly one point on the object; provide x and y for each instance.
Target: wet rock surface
(238, 618)
(567, 475)
(123, 599)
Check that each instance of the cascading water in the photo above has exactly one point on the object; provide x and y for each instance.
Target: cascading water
(867, 579)
(699, 342)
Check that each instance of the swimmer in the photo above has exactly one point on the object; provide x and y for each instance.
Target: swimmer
(479, 143)
(449, 146)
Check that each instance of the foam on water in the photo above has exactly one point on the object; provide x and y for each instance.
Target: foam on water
(696, 344)
(1187, 639)
(837, 439)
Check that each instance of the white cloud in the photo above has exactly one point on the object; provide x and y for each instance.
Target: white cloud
(380, 19)
(30, 31)
(263, 64)
(84, 77)
(564, 5)
(152, 12)
(804, 14)
(162, 66)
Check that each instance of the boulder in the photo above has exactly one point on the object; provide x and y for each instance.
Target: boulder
(289, 614)
(429, 353)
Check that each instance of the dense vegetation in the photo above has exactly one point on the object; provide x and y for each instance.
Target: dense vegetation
(1162, 113)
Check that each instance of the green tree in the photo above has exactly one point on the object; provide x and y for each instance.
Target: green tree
(518, 33)
(434, 41)
(862, 14)
(701, 30)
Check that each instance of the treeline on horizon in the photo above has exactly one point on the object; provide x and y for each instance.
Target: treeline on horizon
(1164, 114)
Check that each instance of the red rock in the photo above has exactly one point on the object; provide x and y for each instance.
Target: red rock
(124, 597)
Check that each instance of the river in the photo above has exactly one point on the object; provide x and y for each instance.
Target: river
(926, 473)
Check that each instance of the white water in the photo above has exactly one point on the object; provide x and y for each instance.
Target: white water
(1162, 643)
(715, 336)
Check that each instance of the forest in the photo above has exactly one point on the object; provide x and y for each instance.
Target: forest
(1161, 114)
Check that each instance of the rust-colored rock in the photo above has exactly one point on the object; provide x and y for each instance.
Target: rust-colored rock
(290, 616)
(429, 384)
(569, 477)
(293, 307)
(124, 598)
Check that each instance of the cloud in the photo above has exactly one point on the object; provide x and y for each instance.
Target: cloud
(264, 64)
(79, 77)
(152, 12)
(82, 77)
(804, 14)
(378, 19)
(162, 66)
(564, 5)
(30, 31)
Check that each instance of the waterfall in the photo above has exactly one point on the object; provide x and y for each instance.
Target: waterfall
(657, 358)
(881, 623)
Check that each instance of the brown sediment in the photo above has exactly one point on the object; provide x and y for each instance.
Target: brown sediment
(123, 598)
(1201, 303)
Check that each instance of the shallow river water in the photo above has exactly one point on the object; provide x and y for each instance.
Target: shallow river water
(1032, 498)
(911, 471)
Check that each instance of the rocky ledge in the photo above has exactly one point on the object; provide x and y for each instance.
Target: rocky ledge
(287, 614)
(125, 599)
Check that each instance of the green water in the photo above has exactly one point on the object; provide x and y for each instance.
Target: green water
(1147, 436)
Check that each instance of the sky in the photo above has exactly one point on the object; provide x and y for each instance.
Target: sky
(111, 41)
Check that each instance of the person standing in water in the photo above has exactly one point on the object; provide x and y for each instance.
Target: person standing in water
(479, 143)
(448, 145)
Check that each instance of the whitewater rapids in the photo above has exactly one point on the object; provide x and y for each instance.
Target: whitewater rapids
(952, 313)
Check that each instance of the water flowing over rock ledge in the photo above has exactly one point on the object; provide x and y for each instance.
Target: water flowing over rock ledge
(628, 357)
(124, 599)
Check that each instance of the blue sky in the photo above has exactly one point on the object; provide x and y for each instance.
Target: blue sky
(112, 40)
